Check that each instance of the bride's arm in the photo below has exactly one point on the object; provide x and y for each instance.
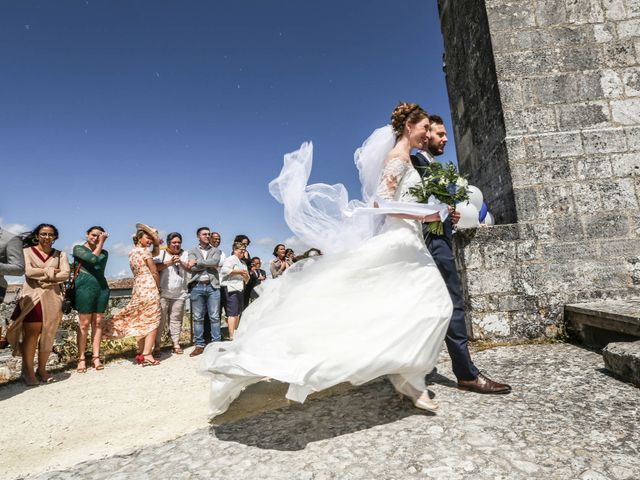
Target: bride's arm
(393, 169)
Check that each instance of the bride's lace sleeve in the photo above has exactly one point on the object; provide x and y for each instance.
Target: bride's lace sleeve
(392, 172)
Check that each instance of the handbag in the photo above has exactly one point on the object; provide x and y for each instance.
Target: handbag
(69, 301)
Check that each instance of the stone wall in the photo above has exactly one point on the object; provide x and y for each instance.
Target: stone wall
(568, 123)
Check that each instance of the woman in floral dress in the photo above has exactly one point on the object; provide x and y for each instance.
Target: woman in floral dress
(141, 317)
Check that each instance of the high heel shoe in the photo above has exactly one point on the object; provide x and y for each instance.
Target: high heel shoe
(146, 362)
(99, 365)
(83, 368)
(420, 399)
(139, 358)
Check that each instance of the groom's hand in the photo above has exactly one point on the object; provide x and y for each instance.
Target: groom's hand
(455, 216)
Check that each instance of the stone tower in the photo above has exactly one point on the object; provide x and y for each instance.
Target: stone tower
(545, 100)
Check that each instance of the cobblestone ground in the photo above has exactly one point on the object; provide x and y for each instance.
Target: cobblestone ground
(565, 419)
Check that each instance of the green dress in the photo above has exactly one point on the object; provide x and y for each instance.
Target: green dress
(92, 289)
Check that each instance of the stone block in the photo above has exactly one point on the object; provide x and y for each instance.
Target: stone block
(550, 12)
(626, 112)
(594, 167)
(606, 225)
(542, 230)
(492, 325)
(511, 95)
(516, 149)
(631, 80)
(623, 359)
(583, 115)
(584, 11)
(567, 227)
(534, 119)
(633, 8)
(601, 274)
(526, 203)
(554, 89)
(556, 200)
(531, 279)
(604, 32)
(482, 303)
(629, 28)
(633, 138)
(620, 248)
(558, 145)
(619, 54)
(626, 164)
(604, 141)
(618, 195)
(483, 282)
(532, 146)
(511, 303)
(499, 255)
(577, 59)
(526, 250)
(562, 252)
(586, 195)
(614, 9)
(510, 16)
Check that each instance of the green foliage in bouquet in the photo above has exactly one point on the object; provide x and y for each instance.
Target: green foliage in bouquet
(442, 181)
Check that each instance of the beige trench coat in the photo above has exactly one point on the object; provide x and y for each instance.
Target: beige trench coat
(42, 284)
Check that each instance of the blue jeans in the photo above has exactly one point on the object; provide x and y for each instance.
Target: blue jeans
(205, 298)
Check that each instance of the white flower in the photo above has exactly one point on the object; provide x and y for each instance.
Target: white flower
(461, 182)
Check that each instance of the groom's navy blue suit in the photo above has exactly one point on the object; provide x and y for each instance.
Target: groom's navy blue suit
(441, 250)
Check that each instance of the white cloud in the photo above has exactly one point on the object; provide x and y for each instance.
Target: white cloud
(120, 249)
(121, 274)
(296, 244)
(13, 227)
(266, 242)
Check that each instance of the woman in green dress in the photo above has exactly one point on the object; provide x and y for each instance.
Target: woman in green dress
(92, 293)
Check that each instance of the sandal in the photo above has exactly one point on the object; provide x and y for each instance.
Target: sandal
(49, 379)
(83, 368)
(99, 366)
(27, 382)
(177, 349)
(146, 361)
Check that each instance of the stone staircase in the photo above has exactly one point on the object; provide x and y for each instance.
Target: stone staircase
(614, 327)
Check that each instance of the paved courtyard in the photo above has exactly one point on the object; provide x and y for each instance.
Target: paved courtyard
(566, 418)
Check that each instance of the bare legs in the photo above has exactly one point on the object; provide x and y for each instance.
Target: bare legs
(95, 321)
(147, 343)
(28, 348)
(232, 323)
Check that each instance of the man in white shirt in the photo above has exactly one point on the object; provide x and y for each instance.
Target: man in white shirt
(173, 267)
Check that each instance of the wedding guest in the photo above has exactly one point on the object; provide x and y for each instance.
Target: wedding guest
(246, 259)
(205, 292)
(39, 309)
(440, 247)
(215, 240)
(312, 252)
(141, 316)
(256, 277)
(11, 263)
(92, 293)
(174, 267)
(234, 275)
(290, 255)
(280, 263)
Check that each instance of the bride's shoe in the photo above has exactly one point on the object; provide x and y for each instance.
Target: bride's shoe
(420, 399)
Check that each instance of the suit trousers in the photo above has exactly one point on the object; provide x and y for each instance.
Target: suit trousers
(456, 338)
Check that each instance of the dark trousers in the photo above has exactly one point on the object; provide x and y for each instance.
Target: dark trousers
(456, 338)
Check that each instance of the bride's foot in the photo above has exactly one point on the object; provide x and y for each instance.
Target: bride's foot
(420, 399)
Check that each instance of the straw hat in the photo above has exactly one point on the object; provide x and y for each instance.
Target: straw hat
(153, 233)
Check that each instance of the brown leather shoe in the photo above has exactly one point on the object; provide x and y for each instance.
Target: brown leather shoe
(196, 351)
(483, 384)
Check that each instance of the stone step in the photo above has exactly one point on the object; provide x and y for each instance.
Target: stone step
(623, 359)
(598, 323)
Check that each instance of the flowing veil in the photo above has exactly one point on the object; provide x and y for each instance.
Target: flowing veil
(322, 215)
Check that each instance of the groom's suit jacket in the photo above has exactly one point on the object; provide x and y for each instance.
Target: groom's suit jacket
(419, 160)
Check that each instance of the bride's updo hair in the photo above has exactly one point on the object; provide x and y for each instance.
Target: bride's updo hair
(406, 113)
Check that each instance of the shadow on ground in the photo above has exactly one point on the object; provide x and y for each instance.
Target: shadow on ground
(292, 428)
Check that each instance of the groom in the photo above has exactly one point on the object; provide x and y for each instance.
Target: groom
(469, 377)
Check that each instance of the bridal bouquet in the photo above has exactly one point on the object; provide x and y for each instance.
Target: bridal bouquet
(443, 182)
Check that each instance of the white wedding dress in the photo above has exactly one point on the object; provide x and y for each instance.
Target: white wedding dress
(378, 308)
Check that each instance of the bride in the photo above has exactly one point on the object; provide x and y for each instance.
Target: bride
(374, 304)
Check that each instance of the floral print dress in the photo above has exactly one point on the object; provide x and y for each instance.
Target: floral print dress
(142, 313)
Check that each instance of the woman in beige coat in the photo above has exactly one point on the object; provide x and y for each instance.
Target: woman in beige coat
(39, 310)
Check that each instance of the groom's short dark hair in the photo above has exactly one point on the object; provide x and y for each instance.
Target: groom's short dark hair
(437, 119)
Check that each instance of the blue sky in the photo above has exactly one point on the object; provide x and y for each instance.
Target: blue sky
(178, 113)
